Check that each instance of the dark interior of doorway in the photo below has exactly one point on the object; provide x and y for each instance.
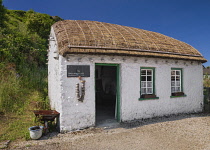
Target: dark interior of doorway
(106, 88)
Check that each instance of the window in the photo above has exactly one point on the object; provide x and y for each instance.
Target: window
(176, 82)
(147, 83)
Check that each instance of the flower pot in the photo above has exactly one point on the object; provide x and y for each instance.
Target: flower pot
(35, 132)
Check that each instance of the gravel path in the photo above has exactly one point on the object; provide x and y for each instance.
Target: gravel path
(184, 132)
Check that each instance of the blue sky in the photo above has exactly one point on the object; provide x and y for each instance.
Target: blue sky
(185, 20)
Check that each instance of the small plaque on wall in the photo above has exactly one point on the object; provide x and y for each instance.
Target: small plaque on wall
(78, 70)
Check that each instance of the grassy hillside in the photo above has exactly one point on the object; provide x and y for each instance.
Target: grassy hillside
(23, 70)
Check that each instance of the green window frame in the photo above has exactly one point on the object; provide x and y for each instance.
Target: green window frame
(177, 82)
(147, 83)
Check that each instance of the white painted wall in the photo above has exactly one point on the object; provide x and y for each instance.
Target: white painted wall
(192, 84)
(76, 115)
(54, 78)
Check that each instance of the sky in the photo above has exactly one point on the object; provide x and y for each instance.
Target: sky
(184, 20)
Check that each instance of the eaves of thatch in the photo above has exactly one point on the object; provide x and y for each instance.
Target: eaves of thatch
(92, 37)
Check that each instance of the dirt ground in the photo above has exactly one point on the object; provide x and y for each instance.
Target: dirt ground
(184, 132)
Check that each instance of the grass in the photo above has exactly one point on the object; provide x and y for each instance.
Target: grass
(15, 127)
(23, 72)
(20, 93)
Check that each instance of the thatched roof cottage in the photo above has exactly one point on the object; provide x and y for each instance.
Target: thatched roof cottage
(99, 71)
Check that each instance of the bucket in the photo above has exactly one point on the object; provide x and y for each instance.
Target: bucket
(35, 132)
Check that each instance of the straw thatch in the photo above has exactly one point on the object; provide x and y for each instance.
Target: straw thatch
(92, 37)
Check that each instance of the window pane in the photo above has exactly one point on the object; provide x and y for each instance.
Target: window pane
(149, 91)
(172, 89)
(177, 83)
(149, 72)
(177, 89)
(172, 78)
(172, 72)
(149, 84)
(143, 90)
(149, 78)
(143, 78)
(177, 72)
(143, 84)
(143, 72)
(172, 83)
(177, 78)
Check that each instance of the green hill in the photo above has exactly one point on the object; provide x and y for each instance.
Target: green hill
(23, 69)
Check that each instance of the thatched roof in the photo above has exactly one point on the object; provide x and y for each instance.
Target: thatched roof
(92, 37)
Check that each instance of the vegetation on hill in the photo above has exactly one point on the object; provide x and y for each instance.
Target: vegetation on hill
(23, 70)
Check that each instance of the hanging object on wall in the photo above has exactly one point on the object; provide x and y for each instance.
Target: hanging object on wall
(80, 94)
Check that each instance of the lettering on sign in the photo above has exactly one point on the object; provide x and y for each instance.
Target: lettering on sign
(78, 70)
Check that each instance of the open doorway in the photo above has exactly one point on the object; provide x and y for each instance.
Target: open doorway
(107, 103)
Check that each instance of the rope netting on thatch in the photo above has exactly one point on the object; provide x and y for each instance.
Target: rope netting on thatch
(77, 36)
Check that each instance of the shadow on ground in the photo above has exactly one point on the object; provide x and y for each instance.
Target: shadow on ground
(110, 124)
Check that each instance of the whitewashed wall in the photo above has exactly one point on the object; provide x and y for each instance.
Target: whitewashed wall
(76, 115)
(54, 77)
(192, 86)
